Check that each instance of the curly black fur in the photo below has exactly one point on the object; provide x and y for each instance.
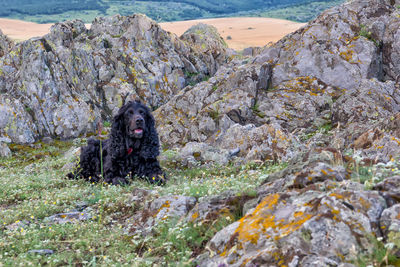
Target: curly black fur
(131, 150)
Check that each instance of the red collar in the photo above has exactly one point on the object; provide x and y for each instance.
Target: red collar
(129, 151)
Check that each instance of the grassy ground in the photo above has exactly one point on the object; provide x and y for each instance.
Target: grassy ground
(33, 188)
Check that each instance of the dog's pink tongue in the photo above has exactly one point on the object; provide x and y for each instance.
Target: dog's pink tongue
(138, 131)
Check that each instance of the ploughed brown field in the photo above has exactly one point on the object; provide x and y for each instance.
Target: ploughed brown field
(239, 32)
(243, 31)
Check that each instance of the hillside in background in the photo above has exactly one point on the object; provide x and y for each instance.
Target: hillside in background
(59, 10)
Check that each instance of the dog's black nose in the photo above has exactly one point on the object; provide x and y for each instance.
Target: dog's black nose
(139, 120)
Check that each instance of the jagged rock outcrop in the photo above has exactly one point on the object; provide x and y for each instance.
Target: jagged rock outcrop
(333, 75)
(297, 229)
(309, 214)
(5, 44)
(64, 83)
(323, 93)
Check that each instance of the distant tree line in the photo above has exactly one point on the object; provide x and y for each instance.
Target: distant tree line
(191, 9)
(34, 7)
(233, 6)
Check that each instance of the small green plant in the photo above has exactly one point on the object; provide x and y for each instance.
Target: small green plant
(179, 241)
(364, 32)
(370, 174)
(189, 74)
(107, 124)
(214, 114)
(256, 110)
(28, 109)
(367, 34)
(325, 128)
(382, 255)
(205, 78)
(192, 77)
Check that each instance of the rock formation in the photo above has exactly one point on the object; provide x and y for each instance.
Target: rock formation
(64, 83)
(337, 73)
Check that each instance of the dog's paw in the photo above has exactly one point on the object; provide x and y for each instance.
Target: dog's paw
(71, 176)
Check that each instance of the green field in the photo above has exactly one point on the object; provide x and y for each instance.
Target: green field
(299, 13)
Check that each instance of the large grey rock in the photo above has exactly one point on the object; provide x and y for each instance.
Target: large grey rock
(341, 47)
(311, 167)
(154, 210)
(199, 113)
(16, 124)
(223, 113)
(327, 228)
(196, 154)
(369, 102)
(226, 206)
(328, 76)
(63, 83)
(171, 206)
(299, 103)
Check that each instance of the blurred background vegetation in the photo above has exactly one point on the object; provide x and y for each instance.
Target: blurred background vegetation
(50, 11)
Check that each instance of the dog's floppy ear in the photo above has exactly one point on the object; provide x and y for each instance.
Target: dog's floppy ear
(118, 132)
(151, 144)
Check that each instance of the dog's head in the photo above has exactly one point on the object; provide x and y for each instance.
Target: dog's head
(135, 122)
(134, 119)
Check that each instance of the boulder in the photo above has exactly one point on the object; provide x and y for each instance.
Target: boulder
(225, 206)
(64, 83)
(154, 210)
(343, 46)
(223, 112)
(299, 228)
(196, 154)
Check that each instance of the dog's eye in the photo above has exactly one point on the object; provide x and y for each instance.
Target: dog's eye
(141, 112)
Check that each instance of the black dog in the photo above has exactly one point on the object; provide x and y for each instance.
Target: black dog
(132, 149)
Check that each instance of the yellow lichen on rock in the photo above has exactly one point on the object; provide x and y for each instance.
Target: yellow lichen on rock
(262, 223)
